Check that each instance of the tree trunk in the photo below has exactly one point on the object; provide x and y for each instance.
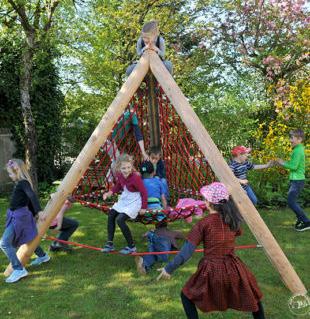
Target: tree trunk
(29, 123)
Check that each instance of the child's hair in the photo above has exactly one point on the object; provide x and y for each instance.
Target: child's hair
(161, 225)
(156, 150)
(298, 133)
(71, 199)
(20, 169)
(150, 28)
(229, 213)
(121, 159)
(146, 168)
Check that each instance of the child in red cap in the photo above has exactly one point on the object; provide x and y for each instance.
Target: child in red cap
(240, 166)
(221, 280)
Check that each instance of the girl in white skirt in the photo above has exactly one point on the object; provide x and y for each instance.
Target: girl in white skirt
(132, 201)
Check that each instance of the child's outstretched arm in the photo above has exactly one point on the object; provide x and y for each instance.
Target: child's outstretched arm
(139, 137)
(184, 254)
(262, 166)
(293, 163)
(107, 195)
(142, 149)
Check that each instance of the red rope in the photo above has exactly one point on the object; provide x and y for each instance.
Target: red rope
(171, 252)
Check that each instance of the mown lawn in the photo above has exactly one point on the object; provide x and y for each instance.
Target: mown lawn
(88, 284)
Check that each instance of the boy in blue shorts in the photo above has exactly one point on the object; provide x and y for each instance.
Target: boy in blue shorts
(296, 166)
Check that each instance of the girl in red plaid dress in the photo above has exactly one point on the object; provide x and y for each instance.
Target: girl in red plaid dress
(222, 280)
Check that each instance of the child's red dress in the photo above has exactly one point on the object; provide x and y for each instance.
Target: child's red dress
(222, 280)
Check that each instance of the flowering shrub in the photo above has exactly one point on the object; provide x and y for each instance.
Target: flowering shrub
(292, 105)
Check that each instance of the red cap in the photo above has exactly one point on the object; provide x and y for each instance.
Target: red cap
(240, 149)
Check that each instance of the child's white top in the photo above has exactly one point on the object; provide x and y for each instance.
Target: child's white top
(129, 203)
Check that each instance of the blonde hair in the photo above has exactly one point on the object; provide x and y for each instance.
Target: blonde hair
(150, 28)
(124, 158)
(20, 169)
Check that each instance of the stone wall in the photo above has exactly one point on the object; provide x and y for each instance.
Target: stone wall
(7, 150)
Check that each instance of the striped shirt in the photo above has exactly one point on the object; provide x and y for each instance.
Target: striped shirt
(240, 169)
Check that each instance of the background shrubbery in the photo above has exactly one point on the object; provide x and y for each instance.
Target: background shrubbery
(249, 85)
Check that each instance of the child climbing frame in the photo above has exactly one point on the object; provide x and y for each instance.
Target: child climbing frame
(186, 166)
(150, 61)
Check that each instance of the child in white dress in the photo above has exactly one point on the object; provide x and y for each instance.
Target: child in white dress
(132, 201)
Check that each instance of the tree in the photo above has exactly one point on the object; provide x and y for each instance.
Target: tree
(102, 43)
(269, 36)
(34, 18)
(47, 103)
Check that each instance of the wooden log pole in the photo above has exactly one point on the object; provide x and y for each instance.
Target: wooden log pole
(225, 175)
(153, 116)
(87, 154)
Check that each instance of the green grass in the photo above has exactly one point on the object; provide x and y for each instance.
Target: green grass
(88, 284)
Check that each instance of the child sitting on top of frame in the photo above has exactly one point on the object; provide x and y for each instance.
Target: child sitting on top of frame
(150, 39)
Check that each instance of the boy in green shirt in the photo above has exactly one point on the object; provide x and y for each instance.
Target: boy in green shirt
(296, 166)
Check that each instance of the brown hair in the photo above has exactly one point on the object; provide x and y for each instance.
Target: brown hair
(121, 159)
(156, 150)
(298, 133)
(150, 28)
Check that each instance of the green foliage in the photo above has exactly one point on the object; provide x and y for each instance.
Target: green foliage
(102, 43)
(11, 114)
(225, 55)
(46, 189)
(47, 104)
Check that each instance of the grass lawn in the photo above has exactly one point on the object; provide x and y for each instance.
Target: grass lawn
(88, 284)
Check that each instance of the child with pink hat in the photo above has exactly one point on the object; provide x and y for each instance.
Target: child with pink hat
(222, 280)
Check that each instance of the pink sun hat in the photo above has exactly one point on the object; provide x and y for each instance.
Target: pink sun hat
(214, 192)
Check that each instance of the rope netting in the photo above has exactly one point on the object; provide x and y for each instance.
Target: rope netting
(186, 167)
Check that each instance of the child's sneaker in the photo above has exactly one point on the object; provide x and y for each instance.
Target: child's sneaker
(40, 260)
(298, 222)
(57, 246)
(302, 226)
(108, 247)
(140, 268)
(128, 250)
(16, 275)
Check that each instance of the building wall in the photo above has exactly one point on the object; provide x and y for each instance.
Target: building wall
(7, 149)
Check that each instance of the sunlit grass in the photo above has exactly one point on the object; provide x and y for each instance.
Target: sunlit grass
(88, 284)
